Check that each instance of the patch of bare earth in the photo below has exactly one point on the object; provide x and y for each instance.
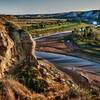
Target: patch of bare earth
(56, 46)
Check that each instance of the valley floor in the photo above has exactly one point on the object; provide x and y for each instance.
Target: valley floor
(54, 45)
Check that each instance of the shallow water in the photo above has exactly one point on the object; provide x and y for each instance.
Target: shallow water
(64, 60)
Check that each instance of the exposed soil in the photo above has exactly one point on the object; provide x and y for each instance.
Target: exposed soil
(56, 46)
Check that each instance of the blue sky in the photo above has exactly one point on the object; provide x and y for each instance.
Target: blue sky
(46, 6)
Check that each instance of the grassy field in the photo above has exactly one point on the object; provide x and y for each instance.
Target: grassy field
(41, 27)
(88, 42)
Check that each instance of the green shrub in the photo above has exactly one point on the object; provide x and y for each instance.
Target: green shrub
(27, 75)
(95, 93)
(73, 93)
(38, 85)
(97, 36)
(34, 84)
(1, 87)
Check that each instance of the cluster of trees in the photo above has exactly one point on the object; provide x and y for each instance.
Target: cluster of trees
(42, 25)
(38, 26)
(83, 33)
(34, 26)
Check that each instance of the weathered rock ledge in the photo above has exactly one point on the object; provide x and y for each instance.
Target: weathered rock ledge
(16, 46)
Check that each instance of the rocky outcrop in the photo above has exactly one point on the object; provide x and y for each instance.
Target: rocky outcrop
(16, 46)
(17, 60)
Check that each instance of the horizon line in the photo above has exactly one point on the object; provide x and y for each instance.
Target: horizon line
(48, 13)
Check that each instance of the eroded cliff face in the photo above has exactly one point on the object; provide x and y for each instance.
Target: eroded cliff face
(20, 69)
(16, 46)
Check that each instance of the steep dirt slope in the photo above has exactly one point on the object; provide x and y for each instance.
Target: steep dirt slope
(22, 76)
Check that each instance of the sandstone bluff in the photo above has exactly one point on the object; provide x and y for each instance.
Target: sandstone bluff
(22, 76)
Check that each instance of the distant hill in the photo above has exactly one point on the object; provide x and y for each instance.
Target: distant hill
(95, 14)
(89, 16)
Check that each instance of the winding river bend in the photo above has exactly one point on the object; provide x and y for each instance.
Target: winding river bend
(65, 60)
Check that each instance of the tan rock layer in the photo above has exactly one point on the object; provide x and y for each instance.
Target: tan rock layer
(16, 46)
